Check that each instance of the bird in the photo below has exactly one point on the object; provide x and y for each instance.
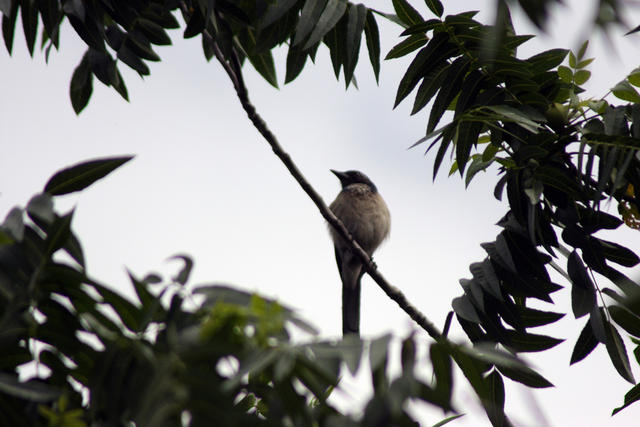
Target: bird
(365, 214)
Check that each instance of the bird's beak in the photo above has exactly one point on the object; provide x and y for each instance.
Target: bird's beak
(341, 175)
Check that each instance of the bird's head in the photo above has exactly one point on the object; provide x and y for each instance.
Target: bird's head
(353, 177)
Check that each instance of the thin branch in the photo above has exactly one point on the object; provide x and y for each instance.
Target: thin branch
(232, 68)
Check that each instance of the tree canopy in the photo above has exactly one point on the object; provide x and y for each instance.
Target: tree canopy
(216, 353)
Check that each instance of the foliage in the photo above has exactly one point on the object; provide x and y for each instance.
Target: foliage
(562, 158)
(77, 353)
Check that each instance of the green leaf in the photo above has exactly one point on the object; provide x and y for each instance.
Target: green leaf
(154, 32)
(406, 12)
(183, 275)
(632, 395)
(296, 58)
(581, 77)
(309, 17)
(407, 46)
(572, 60)
(82, 175)
(565, 74)
(583, 64)
(330, 16)
(263, 63)
(466, 138)
(583, 49)
(432, 54)
(372, 36)
(634, 77)
(448, 420)
(547, 60)
(448, 91)
(430, 85)
(81, 85)
(435, 6)
(274, 12)
(355, 27)
(511, 114)
(626, 92)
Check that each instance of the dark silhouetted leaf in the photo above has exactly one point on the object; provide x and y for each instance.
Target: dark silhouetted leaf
(82, 175)
(583, 292)
(585, 344)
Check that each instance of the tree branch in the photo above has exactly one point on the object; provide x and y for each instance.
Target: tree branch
(233, 68)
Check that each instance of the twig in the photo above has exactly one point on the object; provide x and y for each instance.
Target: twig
(233, 69)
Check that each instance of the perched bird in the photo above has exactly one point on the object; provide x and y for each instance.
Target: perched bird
(365, 214)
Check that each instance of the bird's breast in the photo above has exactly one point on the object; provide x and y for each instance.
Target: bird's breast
(364, 213)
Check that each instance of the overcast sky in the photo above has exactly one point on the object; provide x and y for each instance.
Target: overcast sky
(204, 183)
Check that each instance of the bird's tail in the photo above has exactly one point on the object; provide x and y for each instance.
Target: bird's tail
(351, 308)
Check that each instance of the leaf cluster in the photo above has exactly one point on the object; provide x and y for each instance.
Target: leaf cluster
(559, 158)
(77, 353)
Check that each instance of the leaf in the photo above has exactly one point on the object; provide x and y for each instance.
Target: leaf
(584, 345)
(183, 275)
(435, 6)
(583, 292)
(309, 17)
(32, 390)
(9, 27)
(565, 74)
(274, 12)
(628, 321)
(406, 12)
(433, 53)
(581, 77)
(355, 26)
(263, 63)
(496, 390)
(511, 114)
(528, 377)
(378, 351)
(618, 353)
(626, 92)
(634, 77)
(532, 318)
(14, 224)
(524, 342)
(330, 16)
(466, 137)
(464, 308)
(407, 46)
(430, 85)
(372, 36)
(632, 395)
(448, 420)
(547, 60)
(82, 175)
(81, 85)
(448, 91)
(618, 254)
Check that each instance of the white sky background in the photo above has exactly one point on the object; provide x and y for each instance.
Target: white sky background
(204, 183)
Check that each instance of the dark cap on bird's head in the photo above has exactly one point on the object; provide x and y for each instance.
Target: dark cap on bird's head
(353, 177)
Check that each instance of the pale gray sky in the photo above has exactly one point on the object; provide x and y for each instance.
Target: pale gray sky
(205, 183)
